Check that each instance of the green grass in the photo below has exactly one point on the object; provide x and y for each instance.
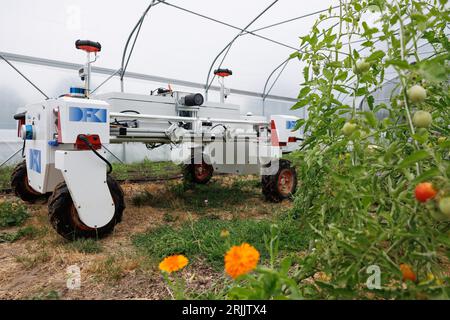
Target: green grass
(5, 177)
(141, 170)
(50, 295)
(254, 183)
(12, 214)
(111, 270)
(145, 170)
(89, 246)
(202, 238)
(200, 198)
(30, 261)
(29, 232)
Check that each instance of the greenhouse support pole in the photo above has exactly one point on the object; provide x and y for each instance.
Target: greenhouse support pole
(12, 156)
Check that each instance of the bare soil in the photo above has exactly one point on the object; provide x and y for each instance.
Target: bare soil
(37, 268)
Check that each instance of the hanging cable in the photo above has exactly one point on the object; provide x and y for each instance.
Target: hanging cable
(294, 19)
(91, 147)
(23, 147)
(230, 25)
(227, 48)
(104, 82)
(29, 81)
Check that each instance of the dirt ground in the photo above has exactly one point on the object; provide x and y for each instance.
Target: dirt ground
(37, 268)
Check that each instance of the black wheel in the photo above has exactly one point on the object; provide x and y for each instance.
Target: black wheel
(198, 173)
(281, 185)
(20, 186)
(64, 216)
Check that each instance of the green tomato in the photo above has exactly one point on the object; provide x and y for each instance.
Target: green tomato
(316, 69)
(417, 94)
(349, 128)
(444, 206)
(422, 119)
(361, 66)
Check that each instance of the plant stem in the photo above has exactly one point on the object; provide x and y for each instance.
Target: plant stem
(403, 80)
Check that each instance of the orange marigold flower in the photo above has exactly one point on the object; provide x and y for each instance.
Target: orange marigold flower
(240, 260)
(407, 272)
(173, 263)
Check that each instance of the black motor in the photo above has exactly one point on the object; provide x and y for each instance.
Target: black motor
(192, 100)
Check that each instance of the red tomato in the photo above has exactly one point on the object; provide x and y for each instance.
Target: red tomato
(425, 191)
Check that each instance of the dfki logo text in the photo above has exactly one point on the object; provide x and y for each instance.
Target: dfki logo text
(77, 114)
(35, 160)
(290, 125)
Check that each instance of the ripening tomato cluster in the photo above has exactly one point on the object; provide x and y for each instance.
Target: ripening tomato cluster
(425, 191)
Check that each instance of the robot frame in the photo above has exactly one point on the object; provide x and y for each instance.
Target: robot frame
(65, 160)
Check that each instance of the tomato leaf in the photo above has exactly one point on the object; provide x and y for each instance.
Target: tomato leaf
(304, 92)
(435, 70)
(414, 158)
(300, 104)
(427, 175)
(371, 118)
(377, 55)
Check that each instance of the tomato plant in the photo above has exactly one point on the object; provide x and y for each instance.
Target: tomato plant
(363, 157)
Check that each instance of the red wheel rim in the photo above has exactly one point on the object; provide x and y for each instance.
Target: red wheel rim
(201, 171)
(77, 221)
(286, 182)
(28, 187)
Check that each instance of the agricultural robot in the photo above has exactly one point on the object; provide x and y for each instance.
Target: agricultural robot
(65, 158)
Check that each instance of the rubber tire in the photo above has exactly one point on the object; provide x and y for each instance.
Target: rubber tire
(65, 220)
(270, 183)
(190, 177)
(20, 186)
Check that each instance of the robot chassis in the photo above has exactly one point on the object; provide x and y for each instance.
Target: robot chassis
(65, 161)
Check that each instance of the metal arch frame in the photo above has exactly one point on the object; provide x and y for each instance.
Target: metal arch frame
(121, 71)
(228, 47)
(283, 65)
(133, 75)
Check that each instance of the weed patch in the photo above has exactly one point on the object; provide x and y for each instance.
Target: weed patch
(29, 232)
(113, 268)
(200, 198)
(31, 261)
(5, 178)
(12, 214)
(203, 239)
(145, 170)
(50, 295)
(89, 246)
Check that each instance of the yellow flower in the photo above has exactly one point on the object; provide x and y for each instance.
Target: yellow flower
(240, 260)
(431, 277)
(173, 263)
(224, 234)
